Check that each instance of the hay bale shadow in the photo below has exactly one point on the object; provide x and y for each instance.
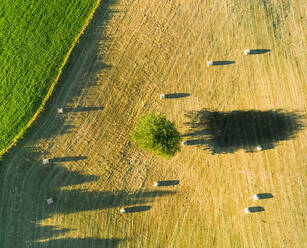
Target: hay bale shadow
(260, 196)
(254, 209)
(136, 209)
(176, 95)
(258, 51)
(166, 183)
(221, 62)
(68, 159)
(226, 132)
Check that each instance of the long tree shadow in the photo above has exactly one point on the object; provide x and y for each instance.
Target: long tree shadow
(91, 44)
(26, 183)
(67, 159)
(58, 128)
(47, 181)
(22, 205)
(83, 109)
(69, 201)
(26, 208)
(86, 242)
(227, 132)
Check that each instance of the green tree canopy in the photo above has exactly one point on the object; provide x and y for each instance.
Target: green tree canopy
(156, 133)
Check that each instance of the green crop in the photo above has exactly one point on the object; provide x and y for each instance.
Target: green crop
(35, 37)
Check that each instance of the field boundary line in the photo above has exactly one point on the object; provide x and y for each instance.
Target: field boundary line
(50, 91)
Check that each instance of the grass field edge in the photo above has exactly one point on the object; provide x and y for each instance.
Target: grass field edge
(50, 91)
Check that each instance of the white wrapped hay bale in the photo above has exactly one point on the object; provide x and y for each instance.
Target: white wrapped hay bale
(49, 201)
(256, 197)
(253, 209)
(162, 96)
(259, 148)
(247, 51)
(46, 161)
(60, 110)
(210, 63)
(123, 211)
(262, 196)
(246, 210)
(185, 142)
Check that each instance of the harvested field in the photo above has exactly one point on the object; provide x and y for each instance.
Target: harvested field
(132, 52)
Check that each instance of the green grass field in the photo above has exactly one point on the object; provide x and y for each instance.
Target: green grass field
(35, 37)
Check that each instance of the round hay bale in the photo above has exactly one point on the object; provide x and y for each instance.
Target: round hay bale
(185, 142)
(248, 51)
(210, 63)
(162, 96)
(246, 210)
(156, 184)
(259, 148)
(49, 201)
(46, 161)
(60, 110)
(256, 197)
(123, 210)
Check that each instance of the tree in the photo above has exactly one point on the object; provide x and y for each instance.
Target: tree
(156, 133)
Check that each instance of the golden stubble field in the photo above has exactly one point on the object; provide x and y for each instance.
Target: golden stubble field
(132, 52)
